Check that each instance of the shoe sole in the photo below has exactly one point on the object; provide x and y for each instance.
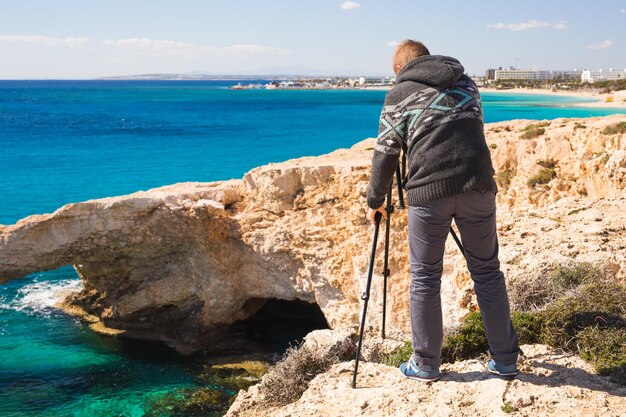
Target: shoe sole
(419, 378)
(502, 373)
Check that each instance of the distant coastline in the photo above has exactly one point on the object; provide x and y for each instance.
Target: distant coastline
(615, 99)
(596, 99)
(227, 77)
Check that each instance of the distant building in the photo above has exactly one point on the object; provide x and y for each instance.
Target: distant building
(389, 80)
(479, 81)
(567, 75)
(591, 76)
(371, 80)
(376, 81)
(521, 75)
(531, 75)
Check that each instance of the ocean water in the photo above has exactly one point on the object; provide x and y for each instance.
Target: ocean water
(67, 141)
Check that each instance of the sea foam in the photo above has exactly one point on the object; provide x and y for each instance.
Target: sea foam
(41, 297)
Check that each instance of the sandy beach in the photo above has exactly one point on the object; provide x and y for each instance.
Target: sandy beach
(600, 100)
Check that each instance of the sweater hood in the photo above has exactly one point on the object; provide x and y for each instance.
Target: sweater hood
(433, 70)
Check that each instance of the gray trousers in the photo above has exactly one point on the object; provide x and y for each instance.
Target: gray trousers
(429, 224)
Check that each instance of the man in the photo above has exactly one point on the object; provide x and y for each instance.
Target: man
(434, 113)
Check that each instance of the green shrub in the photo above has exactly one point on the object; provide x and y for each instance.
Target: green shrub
(615, 85)
(544, 176)
(527, 326)
(493, 146)
(468, 341)
(591, 322)
(599, 304)
(536, 291)
(534, 130)
(507, 407)
(533, 133)
(504, 177)
(572, 275)
(588, 318)
(401, 354)
(605, 349)
(615, 128)
(536, 125)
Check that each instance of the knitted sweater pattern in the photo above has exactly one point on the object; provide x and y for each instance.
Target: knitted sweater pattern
(433, 114)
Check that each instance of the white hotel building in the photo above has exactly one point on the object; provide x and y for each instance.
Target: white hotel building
(518, 74)
(589, 76)
(592, 76)
(530, 75)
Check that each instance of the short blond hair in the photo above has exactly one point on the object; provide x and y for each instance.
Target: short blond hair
(407, 51)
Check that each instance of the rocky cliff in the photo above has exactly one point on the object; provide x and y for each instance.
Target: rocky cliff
(551, 382)
(181, 263)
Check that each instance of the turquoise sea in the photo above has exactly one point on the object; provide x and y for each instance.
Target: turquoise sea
(67, 141)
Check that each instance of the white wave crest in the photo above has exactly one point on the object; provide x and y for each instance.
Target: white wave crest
(42, 297)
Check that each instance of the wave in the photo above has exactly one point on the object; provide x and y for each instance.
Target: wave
(41, 297)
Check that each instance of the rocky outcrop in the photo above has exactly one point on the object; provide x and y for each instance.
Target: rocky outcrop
(587, 163)
(181, 263)
(552, 383)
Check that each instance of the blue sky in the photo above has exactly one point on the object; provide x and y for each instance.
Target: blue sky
(91, 38)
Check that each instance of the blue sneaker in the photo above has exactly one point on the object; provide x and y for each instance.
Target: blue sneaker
(501, 370)
(411, 370)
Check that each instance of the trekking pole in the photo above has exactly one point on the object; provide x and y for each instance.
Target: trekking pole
(366, 295)
(386, 272)
(390, 209)
(458, 242)
(400, 184)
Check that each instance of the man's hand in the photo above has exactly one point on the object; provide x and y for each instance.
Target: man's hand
(371, 213)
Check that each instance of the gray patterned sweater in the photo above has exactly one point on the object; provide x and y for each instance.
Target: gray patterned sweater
(434, 113)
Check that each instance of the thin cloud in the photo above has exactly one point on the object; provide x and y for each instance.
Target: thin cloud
(531, 24)
(349, 5)
(170, 47)
(605, 44)
(251, 49)
(145, 43)
(392, 44)
(622, 10)
(44, 40)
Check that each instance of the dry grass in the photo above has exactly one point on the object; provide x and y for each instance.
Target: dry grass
(615, 128)
(534, 130)
(577, 307)
(288, 380)
(532, 292)
(544, 176)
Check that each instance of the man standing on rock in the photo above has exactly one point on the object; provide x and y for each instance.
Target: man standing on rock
(434, 113)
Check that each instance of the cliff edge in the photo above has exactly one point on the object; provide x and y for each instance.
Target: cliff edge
(181, 263)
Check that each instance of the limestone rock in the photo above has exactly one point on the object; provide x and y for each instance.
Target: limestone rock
(180, 263)
(551, 383)
(328, 343)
